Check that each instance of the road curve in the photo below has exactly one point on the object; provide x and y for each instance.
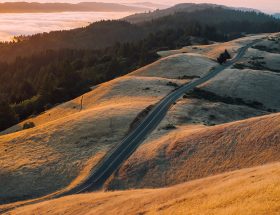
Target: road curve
(114, 158)
(117, 155)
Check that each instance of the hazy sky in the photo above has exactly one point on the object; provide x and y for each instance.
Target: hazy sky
(264, 5)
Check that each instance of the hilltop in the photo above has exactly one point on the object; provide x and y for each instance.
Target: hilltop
(185, 7)
(180, 8)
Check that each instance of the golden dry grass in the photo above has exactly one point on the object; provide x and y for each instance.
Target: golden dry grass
(191, 111)
(58, 148)
(250, 85)
(248, 192)
(177, 65)
(189, 153)
(66, 140)
(214, 50)
(271, 59)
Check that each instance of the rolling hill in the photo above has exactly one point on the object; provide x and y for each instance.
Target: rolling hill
(179, 8)
(230, 96)
(108, 110)
(247, 191)
(186, 7)
(67, 142)
(194, 152)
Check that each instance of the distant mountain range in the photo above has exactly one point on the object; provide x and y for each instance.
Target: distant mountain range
(34, 7)
(184, 7)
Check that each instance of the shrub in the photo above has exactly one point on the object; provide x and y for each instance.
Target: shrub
(28, 125)
(210, 96)
(172, 84)
(188, 77)
(212, 117)
(169, 127)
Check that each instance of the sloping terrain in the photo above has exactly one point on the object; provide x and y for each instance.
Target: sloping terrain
(192, 150)
(185, 7)
(239, 92)
(178, 66)
(66, 139)
(189, 153)
(214, 50)
(235, 94)
(255, 79)
(181, 8)
(248, 192)
(250, 85)
(262, 60)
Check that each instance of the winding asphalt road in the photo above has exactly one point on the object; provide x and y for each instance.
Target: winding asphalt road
(116, 156)
(126, 147)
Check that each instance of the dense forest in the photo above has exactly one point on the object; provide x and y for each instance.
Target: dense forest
(42, 77)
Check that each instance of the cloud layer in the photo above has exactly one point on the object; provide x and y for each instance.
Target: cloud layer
(26, 24)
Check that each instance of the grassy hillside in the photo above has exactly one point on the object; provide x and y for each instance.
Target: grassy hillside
(247, 191)
(191, 153)
(185, 145)
(46, 69)
(66, 139)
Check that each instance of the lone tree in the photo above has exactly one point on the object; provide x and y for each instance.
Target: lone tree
(223, 57)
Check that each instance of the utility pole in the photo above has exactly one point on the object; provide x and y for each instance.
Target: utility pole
(81, 107)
